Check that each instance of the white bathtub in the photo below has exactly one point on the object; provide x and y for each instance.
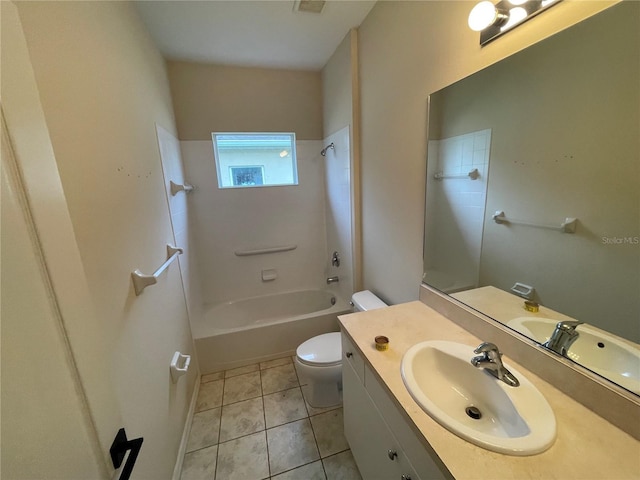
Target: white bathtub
(256, 329)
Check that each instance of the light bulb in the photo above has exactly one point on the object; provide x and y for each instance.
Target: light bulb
(516, 15)
(482, 16)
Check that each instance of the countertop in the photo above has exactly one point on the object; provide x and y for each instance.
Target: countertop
(586, 447)
(503, 306)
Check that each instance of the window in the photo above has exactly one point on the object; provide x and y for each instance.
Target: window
(255, 159)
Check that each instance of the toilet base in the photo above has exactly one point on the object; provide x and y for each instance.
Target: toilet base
(324, 384)
(323, 395)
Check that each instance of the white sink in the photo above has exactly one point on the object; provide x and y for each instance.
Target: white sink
(603, 353)
(514, 420)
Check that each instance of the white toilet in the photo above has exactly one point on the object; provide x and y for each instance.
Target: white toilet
(319, 359)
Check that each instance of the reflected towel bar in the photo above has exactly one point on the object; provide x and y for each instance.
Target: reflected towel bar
(142, 281)
(260, 251)
(473, 175)
(568, 226)
(176, 187)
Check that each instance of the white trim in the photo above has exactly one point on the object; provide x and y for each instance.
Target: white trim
(177, 470)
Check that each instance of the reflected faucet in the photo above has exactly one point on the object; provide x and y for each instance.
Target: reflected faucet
(563, 337)
(331, 280)
(490, 359)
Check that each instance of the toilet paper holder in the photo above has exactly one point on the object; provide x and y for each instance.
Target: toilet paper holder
(179, 366)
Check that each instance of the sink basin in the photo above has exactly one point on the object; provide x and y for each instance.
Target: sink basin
(599, 351)
(512, 420)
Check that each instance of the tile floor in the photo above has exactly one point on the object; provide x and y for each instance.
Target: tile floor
(253, 423)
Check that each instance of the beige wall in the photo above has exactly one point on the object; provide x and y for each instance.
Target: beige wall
(406, 51)
(103, 86)
(336, 89)
(217, 98)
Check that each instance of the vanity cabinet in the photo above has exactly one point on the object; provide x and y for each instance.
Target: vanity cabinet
(383, 444)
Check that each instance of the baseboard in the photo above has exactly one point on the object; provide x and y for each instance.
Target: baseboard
(177, 471)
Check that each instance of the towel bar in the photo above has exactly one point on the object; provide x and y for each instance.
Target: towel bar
(142, 281)
(568, 226)
(473, 175)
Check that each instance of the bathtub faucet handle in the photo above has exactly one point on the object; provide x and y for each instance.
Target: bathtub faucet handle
(331, 280)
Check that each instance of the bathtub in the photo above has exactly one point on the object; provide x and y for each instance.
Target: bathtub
(257, 329)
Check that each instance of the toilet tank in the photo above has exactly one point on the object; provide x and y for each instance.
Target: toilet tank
(365, 300)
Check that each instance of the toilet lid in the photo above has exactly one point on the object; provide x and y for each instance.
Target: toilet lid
(323, 350)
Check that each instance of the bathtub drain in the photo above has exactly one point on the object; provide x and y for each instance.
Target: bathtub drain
(333, 300)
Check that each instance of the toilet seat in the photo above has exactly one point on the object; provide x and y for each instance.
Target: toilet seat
(322, 351)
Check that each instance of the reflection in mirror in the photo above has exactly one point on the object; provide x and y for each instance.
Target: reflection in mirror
(553, 134)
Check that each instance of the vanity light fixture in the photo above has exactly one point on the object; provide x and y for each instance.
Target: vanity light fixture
(492, 20)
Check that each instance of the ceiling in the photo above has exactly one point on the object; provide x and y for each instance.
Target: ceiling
(266, 33)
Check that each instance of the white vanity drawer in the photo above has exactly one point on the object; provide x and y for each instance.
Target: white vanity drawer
(351, 355)
(422, 457)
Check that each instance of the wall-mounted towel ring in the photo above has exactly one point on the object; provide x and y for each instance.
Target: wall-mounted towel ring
(179, 366)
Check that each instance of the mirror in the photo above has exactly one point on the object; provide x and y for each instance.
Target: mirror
(551, 134)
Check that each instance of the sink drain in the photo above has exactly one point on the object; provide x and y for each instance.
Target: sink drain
(473, 412)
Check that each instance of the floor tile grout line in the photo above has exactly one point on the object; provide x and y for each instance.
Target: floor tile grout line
(215, 471)
(201, 448)
(264, 417)
(315, 439)
(337, 453)
(303, 465)
(206, 410)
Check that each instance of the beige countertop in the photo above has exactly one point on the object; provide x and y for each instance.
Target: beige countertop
(586, 447)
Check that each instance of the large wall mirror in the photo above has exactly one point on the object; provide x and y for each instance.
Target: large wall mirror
(533, 191)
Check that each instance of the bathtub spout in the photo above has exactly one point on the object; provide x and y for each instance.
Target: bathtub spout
(331, 280)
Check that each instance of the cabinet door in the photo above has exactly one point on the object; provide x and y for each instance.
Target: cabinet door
(366, 432)
(351, 355)
(422, 457)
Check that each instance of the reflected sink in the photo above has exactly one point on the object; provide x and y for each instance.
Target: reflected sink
(599, 351)
(513, 420)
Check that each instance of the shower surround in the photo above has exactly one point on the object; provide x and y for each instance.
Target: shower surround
(314, 215)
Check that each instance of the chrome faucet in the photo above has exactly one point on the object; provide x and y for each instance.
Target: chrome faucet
(563, 337)
(331, 280)
(490, 359)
